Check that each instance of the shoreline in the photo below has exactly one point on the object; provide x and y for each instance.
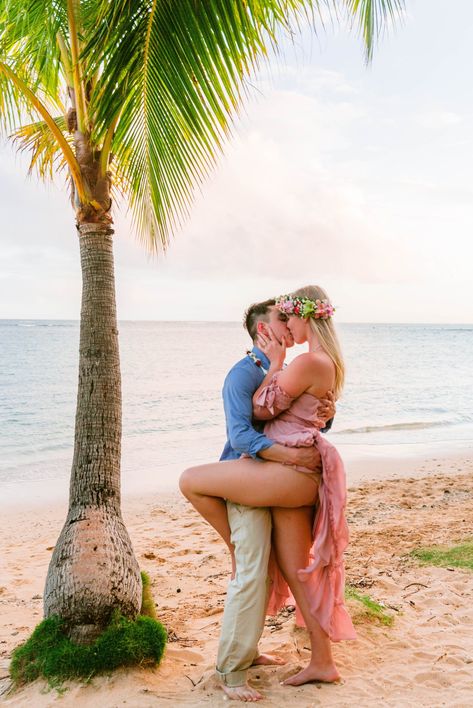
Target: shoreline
(424, 659)
(363, 463)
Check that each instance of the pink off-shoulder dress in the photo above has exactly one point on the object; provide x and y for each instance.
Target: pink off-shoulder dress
(324, 577)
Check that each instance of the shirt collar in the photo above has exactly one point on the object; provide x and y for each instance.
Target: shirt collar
(262, 356)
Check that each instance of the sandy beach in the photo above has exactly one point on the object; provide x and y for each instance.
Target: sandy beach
(424, 659)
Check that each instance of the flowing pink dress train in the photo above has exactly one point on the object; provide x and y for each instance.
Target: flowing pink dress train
(324, 577)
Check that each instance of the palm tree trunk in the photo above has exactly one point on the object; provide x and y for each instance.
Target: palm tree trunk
(93, 570)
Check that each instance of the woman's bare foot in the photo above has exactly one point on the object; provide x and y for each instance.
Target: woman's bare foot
(314, 672)
(268, 660)
(242, 693)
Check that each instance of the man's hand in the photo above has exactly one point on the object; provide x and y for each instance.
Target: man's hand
(274, 349)
(307, 457)
(301, 456)
(326, 409)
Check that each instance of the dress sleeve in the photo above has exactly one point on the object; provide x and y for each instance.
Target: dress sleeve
(274, 397)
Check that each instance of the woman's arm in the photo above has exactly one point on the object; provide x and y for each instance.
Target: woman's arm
(305, 371)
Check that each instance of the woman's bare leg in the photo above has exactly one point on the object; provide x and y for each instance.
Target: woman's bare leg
(214, 511)
(245, 481)
(249, 482)
(292, 537)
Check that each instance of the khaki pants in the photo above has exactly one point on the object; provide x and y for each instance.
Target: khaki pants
(245, 605)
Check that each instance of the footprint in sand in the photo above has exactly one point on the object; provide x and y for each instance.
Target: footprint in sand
(425, 656)
(266, 679)
(432, 679)
(165, 544)
(149, 555)
(188, 551)
(186, 656)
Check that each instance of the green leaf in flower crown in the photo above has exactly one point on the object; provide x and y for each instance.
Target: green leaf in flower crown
(308, 308)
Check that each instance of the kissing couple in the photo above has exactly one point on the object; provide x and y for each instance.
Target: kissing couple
(277, 497)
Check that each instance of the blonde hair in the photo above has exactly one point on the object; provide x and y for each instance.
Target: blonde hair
(325, 331)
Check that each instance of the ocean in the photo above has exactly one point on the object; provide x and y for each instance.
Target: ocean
(407, 385)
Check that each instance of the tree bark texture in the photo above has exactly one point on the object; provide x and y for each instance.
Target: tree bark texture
(93, 569)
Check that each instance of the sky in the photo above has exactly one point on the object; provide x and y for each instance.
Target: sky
(356, 178)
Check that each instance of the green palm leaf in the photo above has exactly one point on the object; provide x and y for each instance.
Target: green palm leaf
(162, 83)
(28, 42)
(174, 74)
(372, 16)
(46, 157)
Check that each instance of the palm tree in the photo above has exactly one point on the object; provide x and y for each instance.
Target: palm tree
(133, 98)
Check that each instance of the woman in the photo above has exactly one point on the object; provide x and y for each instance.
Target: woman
(310, 556)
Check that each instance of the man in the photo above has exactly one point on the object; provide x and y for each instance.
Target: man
(245, 605)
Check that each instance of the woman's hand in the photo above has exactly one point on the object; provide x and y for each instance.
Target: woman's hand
(274, 349)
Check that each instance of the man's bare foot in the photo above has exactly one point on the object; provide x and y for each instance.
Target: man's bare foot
(314, 672)
(242, 693)
(268, 660)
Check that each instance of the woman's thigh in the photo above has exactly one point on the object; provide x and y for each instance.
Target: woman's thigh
(253, 483)
(292, 536)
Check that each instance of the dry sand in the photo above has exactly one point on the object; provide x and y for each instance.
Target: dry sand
(424, 659)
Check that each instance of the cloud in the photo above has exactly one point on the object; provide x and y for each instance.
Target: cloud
(356, 184)
(438, 119)
(276, 206)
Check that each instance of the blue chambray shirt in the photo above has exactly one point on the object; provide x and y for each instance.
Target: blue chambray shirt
(243, 434)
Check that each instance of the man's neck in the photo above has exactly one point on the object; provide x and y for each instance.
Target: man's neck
(261, 355)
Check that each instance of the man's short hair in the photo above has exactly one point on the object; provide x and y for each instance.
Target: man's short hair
(255, 313)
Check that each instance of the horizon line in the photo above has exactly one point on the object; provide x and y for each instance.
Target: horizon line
(182, 321)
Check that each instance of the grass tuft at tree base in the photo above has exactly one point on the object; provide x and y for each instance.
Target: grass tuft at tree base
(460, 556)
(50, 654)
(148, 607)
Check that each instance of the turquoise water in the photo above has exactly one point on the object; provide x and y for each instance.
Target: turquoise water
(405, 384)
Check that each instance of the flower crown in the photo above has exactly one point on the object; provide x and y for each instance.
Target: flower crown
(305, 307)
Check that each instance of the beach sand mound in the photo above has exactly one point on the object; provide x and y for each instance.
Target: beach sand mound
(424, 659)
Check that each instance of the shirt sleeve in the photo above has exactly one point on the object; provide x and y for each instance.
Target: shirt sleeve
(238, 392)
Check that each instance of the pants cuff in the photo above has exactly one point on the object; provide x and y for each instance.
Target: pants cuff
(233, 678)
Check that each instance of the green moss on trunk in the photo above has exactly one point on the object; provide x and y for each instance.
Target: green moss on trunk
(50, 654)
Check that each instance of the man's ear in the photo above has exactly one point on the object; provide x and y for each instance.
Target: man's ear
(261, 327)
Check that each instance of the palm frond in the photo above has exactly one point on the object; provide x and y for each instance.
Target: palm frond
(161, 83)
(21, 88)
(371, 17)
(46, 157)
(28, 40)
(28, 46)
(174, 72)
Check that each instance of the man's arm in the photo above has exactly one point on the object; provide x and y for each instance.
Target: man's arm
(237, 402)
